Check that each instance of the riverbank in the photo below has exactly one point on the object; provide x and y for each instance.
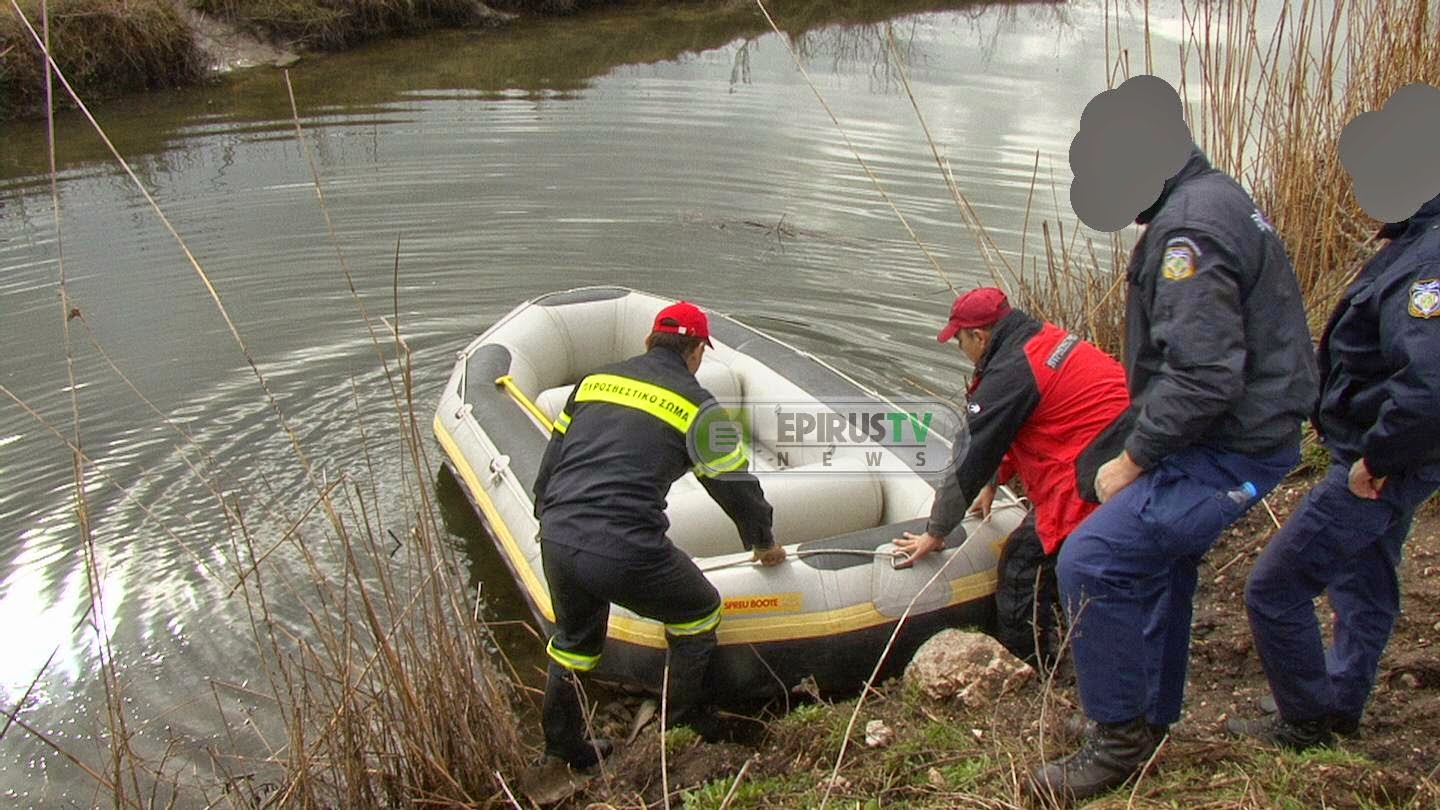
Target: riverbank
(947, 754)
(107, 48)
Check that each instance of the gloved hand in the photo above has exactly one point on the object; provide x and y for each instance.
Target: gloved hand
(771, 556)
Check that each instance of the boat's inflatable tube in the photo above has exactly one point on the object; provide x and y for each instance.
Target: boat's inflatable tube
(828, 612)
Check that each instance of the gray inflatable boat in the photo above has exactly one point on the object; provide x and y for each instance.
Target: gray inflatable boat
(829, 611)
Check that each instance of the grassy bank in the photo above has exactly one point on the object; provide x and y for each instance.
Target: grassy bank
(108, 47)
(103, 46)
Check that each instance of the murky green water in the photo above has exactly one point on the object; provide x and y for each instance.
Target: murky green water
(678, 152)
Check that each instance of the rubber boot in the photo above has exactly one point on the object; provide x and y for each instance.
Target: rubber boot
(1106, 759)
(1272, 729)
(689, 660)
(563, 718)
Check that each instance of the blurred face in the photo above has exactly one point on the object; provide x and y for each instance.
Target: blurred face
(973, 342)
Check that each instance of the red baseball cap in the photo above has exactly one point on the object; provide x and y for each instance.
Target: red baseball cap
(684, 318)
(982, 306)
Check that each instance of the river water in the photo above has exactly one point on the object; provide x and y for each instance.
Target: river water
(678, 151)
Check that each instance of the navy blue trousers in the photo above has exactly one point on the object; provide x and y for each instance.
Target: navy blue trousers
(1127, 577)
(1349, 548)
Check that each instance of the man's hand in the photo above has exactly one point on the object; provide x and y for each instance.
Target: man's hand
(1362, 483)
(916, 546)
(983, 502)
(771, 556)
(1116, 474)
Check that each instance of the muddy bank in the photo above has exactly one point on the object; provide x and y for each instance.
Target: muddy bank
(944, 754)
(112, 47)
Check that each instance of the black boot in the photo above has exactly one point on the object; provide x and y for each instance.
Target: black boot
(1106, 759)
(1275, 730)
(689, 658)
(563, 718)
(1342, 725)
(1077, 727)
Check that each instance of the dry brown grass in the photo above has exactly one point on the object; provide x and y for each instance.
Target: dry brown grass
(1270, 110)
(100, 44)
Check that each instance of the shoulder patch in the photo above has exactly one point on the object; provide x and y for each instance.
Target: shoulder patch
(1425, 298)
(1179, 259)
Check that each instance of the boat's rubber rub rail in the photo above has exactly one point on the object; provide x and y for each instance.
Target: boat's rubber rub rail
(570, 660)
(704, 624)
(661, 403)
(582, 296)
(494, 409)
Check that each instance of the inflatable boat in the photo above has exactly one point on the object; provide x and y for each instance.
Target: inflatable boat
(828, 612)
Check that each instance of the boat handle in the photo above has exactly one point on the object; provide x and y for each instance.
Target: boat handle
(508, 383)
(498, 466)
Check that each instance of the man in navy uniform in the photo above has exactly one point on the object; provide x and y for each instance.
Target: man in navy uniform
(1221, 374)
(1379, 416)
(620, 442)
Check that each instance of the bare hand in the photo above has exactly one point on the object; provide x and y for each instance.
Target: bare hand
(770, 557)
(916, 546)
(1116, 474)
(983, 502)
(1362, 483)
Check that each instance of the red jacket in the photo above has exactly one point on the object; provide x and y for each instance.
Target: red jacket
(1038, 398)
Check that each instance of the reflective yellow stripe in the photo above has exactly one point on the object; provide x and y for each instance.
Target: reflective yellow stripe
(661, 403)
(569, 660)
(696, 627)
(730, 462)
(562, 422)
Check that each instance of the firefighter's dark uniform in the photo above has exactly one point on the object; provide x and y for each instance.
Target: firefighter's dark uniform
(1380, 401)
(617, 446)
(1221, 375)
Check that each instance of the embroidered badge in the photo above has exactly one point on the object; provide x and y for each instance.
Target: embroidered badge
(1425, 298)
(1179, 261)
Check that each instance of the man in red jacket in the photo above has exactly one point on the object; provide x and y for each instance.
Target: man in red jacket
(1038, 398)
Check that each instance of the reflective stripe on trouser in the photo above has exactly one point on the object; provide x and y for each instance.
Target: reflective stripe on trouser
(571, 660)
(1347, 546)
(561, 423)
(703, 624)
(1127, 577)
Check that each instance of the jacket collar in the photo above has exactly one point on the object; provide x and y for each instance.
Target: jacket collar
(1005, 329)
(1419, 221)
(1196, 164)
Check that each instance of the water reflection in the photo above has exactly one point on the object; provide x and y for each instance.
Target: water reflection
(502, 166)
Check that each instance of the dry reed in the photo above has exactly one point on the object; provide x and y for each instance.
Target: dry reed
(384, 683)
(1270, 109)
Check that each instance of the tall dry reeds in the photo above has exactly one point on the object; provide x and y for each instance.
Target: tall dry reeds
(371, 657)
(1268, 104)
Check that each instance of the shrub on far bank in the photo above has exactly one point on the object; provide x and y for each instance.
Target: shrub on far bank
(330, 24)
(100, 45)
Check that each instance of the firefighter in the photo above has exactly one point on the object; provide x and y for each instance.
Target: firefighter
(622, 439)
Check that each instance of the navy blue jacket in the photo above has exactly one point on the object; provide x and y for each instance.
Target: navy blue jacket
(1217, 349)
(608, 467)
(1380, 355)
